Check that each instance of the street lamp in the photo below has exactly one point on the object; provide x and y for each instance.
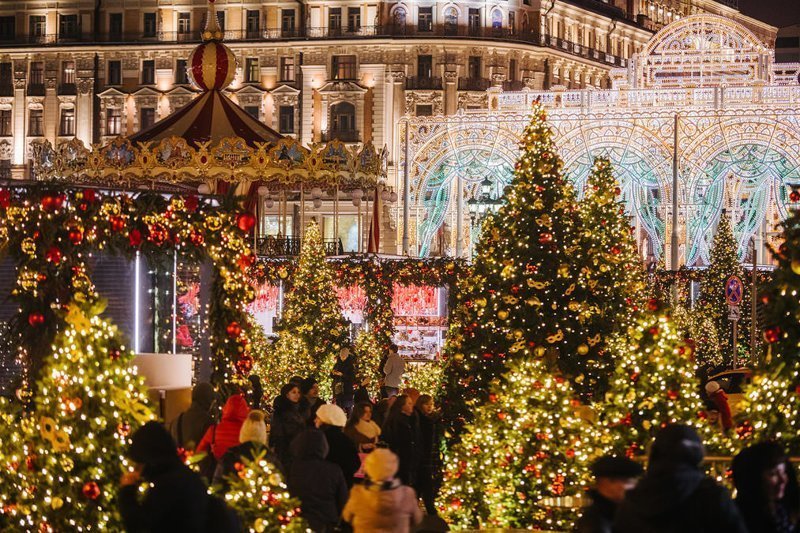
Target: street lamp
(482, 203)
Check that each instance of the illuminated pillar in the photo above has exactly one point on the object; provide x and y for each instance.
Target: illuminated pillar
(20, 108)
(84, 107)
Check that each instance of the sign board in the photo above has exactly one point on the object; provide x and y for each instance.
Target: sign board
(734, 290)
(734, 313)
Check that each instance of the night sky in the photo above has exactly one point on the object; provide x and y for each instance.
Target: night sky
(776, 12)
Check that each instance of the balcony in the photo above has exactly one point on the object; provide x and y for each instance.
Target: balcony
(67, 89)
(272, 246)
(347, 136)
(423, 84)
(474, 84)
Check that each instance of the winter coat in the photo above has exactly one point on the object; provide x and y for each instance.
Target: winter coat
(427, 438)
(288, 420)
(220, 437)
(343, 385)
(678, 498)
(192, 424)
(597, 517)
(249, 449)
(402, 436)
(387, 508)
(394, 369)
(342, 451)
(310, 406)
(318, 484)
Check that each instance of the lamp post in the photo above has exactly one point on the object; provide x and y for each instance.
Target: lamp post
(481, 204)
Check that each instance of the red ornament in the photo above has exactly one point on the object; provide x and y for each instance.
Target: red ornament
(246, 261)
(135, 238)
(75, 236)
(196, 238)
(672, 394)
(89, 195)
(772, 334)
(246, 221)
(234, 330)
(124, 429)
(794, 196)
(652, 304)
(35, 319)
(157, 234)
(617, 191)
(91, 490)
(245, 364)
(616, 250)
(544, 238)
(53, 255)
(501, 415)
(5, 198)
(191, 203)
(492, 397)
(117, 223)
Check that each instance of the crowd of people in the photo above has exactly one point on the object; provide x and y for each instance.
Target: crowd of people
(371, 466)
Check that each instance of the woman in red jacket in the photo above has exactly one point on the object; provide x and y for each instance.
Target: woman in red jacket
(225, 434)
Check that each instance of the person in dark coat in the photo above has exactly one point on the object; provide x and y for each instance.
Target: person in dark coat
(253, 443)
(675, 496)
(401, 433)
(177, 500)
(344, 378)
(342, 451)
(255, 395)
(192, 424)
(317, 483)
(614, 476)
(766, 489)
(288, 420)
(362, 393)
(428, 450)
(311, 401)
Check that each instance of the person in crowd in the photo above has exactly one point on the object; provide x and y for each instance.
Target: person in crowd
(675, 495)
(382, 503)
(253, 441)
(362, 393)
(720, 400)
(311, 401)
(219, 437)
(342, 451)
(344, 377)
(382, 410)
(412, 393)
(393, 372)
(361, 429)
(428, 450)
(766, 489)
(256, 393)
(613, 476)
(192, 424)
(288, 420)
(177, 500)
(296, 380)
(401, 433)
(319, 484)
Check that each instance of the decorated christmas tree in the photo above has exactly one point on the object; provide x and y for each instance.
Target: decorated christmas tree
(62, 462)
(312, 312)
(616, 270)
(369, 354)
(528, 442)
(655, 384)
(275, 363)
(256, 491)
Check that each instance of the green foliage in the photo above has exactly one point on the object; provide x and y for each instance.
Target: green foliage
(426, 377)
(369, 354)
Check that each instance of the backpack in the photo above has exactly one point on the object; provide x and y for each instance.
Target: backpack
(221, 518)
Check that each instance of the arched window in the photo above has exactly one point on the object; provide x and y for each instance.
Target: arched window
(497, 19)
(399, 18)
(343, 122)
(525, 25)
(450, 21)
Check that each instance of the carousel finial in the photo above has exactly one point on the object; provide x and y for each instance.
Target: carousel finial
(212, 31)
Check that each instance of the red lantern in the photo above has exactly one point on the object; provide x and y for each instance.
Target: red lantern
(53, 255)
(75, 236)
(5, 198)
(246, 221)
(772, 334)
(245, 364)
(135, 238)
(91, 490)
(234, 330)
(35, 319)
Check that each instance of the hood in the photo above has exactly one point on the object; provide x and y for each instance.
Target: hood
(235, 409)
(203, 395)
(152, 446)
(310, 444)
(663, 490)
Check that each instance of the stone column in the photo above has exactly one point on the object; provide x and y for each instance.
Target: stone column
(20, 109)
(450, 92)
(84, 111)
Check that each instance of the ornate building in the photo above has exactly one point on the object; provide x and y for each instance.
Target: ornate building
(701, 120)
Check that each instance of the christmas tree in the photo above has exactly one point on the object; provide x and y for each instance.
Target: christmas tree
(369, 354)
(62, 462)
(312, 312)
(528, 442)
(524, 297)
(655, 384)
(256, 491)
(616, 271)
(278, 362)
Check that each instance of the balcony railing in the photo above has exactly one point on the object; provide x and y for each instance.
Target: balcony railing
(362, 32)
(346, 136)
(474, 84)
(425, 84)
(290, 246)
(513, 85)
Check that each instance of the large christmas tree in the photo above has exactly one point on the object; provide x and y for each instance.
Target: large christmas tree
(312, 312)
(61, 463)
(528, 442)
(616, 270)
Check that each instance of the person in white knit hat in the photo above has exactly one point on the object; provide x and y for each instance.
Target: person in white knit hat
(330, 420)
(382, 504)
(253, 441)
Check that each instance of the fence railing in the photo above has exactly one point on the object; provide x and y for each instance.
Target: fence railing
(272, 246)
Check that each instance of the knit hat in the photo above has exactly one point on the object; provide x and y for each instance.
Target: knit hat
(332, 415)
(381, 465)
(677, 444)
(613, 467)
(712, 387)
(253, 428)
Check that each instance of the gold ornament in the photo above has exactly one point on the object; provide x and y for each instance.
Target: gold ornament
(539, 351)
(583, 349)
(796, 266)
(502, 314)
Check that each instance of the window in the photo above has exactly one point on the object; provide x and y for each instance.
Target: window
(67, 126)
(36, 123)
(184, 23)
(8, 30)
(286, 119)
(6, 79)
(252, 110)
(343, 118)
(149, 25)
(425, 110)
(37, 73)
(353, 19)
(512, 22)
(113, 121)
(147, 117)
(38, 26)
(148, 72)
(425, 19)
(68, 26)
(424, 66)
(512, 70)
(450, 21)
(287, 22)
(399, 18)
(251, 71)
(114, 73)
(474, 20)
(497, 19)
(253, 23)
(5, 123)
(287, 68)
(344, 67)
(335, 20)
(68, 72)
(115, 25)
(474, 67)
(181, 76)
